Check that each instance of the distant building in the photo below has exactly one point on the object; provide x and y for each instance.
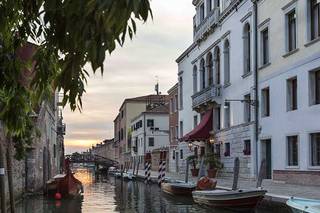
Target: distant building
(129, 109)
(150, 134)
(173, 128)
(105, 149)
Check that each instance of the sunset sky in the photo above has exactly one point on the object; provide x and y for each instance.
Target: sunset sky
(131, 71)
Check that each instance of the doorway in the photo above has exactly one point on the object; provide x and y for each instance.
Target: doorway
(266, 150)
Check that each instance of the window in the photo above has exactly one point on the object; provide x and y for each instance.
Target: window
(227, 115)
(209, 6)
(210, 68)
(181, 129)
(122, 113)
(217, 65)
(202, 151)
(226, 54)
(292, 150)
(315, 149)
(151, 141)
(227, 149)
(201, 12)
(54, 150)
(315, 87)
(121, 134)
(217, 117)
(292, 97)
(291, 31)
(195, 121)
(217, 150)
(181, 92)
(172, 134)
(315, 19)
(195, 79)
(265, 46)
(265, 109)
(181, 154)
(177, 132)
(202, 74)
(150, 123)
(246, 49)
(247, 108)
(195, 150)
(173, 154)
(247, 147)
(171, 105)
(176, 102)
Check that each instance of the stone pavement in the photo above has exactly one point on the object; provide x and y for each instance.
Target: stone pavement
(277, 191)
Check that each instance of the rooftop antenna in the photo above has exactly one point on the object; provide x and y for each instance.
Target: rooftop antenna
(156, 88)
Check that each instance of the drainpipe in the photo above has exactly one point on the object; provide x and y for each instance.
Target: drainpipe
(256, 85)
(144, 134)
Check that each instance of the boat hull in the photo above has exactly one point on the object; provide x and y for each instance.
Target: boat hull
(67, 185)
(302, 205)
(178, 188)
(243, 200)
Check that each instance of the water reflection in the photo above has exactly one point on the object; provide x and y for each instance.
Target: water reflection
(103, 194)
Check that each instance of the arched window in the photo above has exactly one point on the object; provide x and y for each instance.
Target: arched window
(210, 68)
(217, 65)
(202, 74)
(226, 55)
(181, 92)
(195, 79)
(246, 49)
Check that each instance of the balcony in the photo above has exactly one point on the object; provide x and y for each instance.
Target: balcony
(207, 95)
(203, 29)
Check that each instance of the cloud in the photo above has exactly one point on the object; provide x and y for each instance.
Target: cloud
(131, 71)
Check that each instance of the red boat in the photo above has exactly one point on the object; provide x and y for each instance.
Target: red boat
(238, 199)
(64, 184)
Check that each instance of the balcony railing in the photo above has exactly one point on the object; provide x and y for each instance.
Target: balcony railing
(206, 25)
(206, 95)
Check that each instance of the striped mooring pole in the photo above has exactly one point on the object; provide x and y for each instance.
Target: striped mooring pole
(145, 169)
(163, 172)
(160, 169)
(149, 168)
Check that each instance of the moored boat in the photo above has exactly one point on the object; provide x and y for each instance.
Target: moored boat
(237, 199)
(178, 188)
(64, 184)
(302, 205)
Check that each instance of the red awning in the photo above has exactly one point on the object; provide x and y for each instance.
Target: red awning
(202, 131)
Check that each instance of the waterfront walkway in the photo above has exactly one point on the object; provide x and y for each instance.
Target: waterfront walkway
(277, 191)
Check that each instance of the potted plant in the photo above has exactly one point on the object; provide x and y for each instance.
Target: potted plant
(194, 170)
(213, 165)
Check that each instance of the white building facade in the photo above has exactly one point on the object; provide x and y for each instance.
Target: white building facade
(149, 132)
(289, 79)
(217, 68)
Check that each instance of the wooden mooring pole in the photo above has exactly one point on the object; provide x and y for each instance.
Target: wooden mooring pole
(262, 173)
(236, 169)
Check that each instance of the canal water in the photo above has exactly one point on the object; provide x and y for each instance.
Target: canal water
(107, 194)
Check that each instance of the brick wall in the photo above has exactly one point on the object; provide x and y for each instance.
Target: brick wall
(298, 177)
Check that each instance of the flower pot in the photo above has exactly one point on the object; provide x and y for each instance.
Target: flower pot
(195, 172)
(212, 173)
